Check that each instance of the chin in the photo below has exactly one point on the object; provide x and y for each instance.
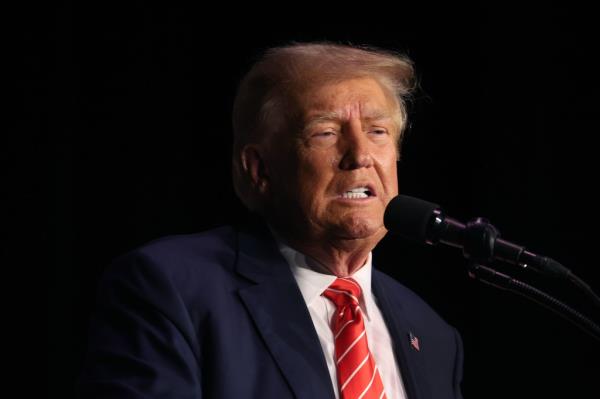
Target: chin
(357, 228)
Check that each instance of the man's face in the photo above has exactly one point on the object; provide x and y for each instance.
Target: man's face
(333, 175)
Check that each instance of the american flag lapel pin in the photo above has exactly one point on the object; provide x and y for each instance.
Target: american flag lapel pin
(414, 341)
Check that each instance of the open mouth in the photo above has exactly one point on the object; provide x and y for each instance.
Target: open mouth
(358, 193)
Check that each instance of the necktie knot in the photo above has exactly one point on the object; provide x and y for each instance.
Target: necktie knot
(343, 292)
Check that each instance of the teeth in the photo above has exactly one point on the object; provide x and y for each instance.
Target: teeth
(358, 190)
(351, 195)
(356, 193)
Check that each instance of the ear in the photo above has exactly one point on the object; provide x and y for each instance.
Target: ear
(255, 166)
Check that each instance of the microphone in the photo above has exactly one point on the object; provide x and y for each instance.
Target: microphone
(423, 221)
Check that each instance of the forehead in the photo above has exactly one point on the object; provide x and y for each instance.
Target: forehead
(364, 96)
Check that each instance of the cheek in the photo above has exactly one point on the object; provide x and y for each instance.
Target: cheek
(394, 184)
(390, 172)
(334, 161)
(317, 166)
(316, 173)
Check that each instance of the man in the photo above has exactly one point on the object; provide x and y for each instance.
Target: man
(291, 306)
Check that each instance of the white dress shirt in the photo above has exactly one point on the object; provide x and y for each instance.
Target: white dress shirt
(312, 284)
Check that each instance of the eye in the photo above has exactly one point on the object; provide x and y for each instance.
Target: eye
(322, 139)
(378, 132)
(324, 134)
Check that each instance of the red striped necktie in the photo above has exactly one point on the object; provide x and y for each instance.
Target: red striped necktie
(357, 373)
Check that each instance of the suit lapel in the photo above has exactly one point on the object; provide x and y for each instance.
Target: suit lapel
(281, 317)
(410, 361)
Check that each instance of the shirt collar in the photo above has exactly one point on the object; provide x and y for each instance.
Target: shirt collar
(312, 283)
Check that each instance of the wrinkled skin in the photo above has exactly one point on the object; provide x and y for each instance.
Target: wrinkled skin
(346, 138)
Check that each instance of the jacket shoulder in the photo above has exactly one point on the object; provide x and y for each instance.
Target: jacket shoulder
(180, 260)
(216, 244)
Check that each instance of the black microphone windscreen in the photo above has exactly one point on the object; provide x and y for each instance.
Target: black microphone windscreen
(409, 217)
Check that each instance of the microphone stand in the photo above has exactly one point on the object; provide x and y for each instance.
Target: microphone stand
(482, 243)
(493, 277)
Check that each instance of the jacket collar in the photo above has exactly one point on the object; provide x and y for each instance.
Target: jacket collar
(410, 360)
(276, 305)
(280, 314)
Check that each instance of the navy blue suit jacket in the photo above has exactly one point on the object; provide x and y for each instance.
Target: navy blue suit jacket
(219, 315)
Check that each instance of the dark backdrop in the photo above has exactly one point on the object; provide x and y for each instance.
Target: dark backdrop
(134, 104)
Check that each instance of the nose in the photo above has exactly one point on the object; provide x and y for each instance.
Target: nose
(356, 151)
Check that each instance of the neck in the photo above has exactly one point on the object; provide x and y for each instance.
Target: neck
(340, 257)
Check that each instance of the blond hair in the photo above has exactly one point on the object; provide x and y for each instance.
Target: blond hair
(263, 101)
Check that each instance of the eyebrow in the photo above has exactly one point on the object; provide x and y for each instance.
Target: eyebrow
(335, 116)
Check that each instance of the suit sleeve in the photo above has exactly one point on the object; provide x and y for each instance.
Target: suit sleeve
(458, 366)
(141, 342)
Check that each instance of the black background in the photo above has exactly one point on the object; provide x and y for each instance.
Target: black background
(133, 103)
